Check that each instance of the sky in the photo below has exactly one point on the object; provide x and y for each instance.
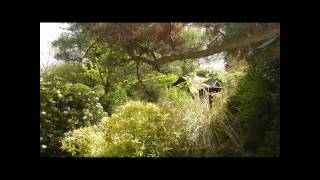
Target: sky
(215, 61)
(48, 33)
(51, 31)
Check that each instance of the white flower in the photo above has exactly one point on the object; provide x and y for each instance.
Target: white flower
(43, 113)
(79, 93)
(58, 92)
(41, 138)
(43, 146)
(65, 112)
(97, 98)
(84, 117)
(60, 95)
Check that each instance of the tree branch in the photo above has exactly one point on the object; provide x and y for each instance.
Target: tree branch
(140, 81)
(90, 47)
(242, 42)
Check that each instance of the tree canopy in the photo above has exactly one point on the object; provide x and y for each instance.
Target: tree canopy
(161, 43)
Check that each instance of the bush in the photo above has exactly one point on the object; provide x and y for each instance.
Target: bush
(256, 105)
(178, 126)
(71, 73)
(64, 107)
(137, 129)
(86, 141)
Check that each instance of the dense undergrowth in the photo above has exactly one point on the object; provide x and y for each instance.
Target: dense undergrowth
(111, 103)
(243, 121)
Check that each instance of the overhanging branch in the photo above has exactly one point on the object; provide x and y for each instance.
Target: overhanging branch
(242, 42)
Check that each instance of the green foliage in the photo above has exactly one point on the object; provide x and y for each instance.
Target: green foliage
(153, 81)
(194, 116)
(245, 116)
(182, 126)
(234, 76)
(244, 119)
(71, 73)
(99, 90)
(177, 126)
(116, 97)
(191, 85)
(193, 38)
(137, 129)
(86, 141)
(91, 71)
(156, 81)
(225, 135)
(180, 68)
(220, 75)
(256, 105)
(64, 107)
(234, 31)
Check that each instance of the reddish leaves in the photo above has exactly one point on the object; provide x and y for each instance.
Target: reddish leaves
(168, 32)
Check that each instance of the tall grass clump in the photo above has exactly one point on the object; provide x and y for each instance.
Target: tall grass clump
(192, 113)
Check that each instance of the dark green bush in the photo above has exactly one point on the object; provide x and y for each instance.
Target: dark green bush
(116, 97)
(256, 105)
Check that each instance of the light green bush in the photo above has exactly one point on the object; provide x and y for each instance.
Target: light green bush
(178, 126)
(86, 141)
(137, 129)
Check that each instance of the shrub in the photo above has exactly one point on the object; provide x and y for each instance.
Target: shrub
(137, 129)
(64, 107)
(86, 141)
(71, 73)
(226, 136)
(256, 105)
(177, 126)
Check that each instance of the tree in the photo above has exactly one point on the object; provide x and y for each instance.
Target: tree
(148, 43)
(156, 44)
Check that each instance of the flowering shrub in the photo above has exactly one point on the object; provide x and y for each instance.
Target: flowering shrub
(64, 107)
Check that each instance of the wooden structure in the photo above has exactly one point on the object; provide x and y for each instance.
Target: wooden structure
(206, 87)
